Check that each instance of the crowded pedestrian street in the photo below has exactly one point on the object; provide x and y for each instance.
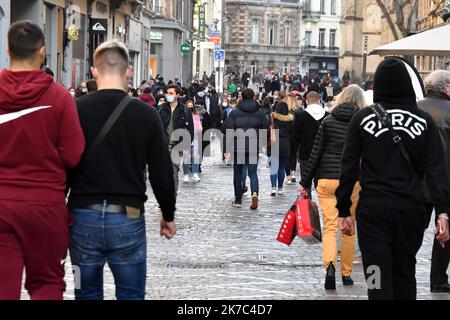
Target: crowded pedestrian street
(224, 150)
(221, 253)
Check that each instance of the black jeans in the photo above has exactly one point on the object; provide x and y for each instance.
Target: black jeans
(238, 180)
(291, 164)
(439, 258)
(389, 240)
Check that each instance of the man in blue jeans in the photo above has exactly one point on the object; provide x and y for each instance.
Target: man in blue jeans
(108, 188)
(242, 138)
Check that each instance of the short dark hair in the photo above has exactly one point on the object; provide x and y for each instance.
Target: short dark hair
(173, 86)
(91, 85)
(147, 90)
(25, 39)
(248, 94)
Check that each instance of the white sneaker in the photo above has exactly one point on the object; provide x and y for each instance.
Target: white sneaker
(195, 177)
(186, 178)
(280, 192)
(274, 192)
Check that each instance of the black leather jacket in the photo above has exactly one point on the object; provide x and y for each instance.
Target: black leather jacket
(437, 105)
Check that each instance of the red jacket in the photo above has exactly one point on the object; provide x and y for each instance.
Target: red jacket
(41, 137)
(148, 98)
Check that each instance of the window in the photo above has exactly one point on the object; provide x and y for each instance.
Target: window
(321, 38)
(254, 67)
(333, 7)
(308, 5)
(286, 68)
(255, 31)
(287, 33)
(272, 32)
(332, 38)
(322, 6)
(314, 65)
(308, 36)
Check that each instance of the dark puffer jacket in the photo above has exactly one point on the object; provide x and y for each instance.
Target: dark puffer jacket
(325, 159)
(247, 116)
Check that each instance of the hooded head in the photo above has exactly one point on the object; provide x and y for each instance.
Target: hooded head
(396, 81)
(23, 85)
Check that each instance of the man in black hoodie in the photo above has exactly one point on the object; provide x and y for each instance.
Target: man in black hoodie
(437, 104)
(249, 119)
(391, 208)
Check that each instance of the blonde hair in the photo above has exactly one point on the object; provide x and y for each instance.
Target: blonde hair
(291, 101)
(354, 95)
(112, 57)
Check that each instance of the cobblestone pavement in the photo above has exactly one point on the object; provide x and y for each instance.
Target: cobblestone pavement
(224, 253)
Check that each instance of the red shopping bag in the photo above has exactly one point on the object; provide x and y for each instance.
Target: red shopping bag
(308, 221)
(287, 230)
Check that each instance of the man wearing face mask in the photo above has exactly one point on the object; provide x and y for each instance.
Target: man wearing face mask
(174, 116)
(45, 139)
(83, 90)
(72, 92)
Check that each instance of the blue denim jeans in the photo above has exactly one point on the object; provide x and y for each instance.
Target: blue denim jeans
(244, 174)
(278, 165)
(191, 163)
(238, 179)
(97, 237)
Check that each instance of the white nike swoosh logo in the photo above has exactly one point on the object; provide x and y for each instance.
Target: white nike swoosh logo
(15, 115)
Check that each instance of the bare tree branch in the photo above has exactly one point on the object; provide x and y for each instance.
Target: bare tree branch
(400, 17)
(388, 19)
(413, 14)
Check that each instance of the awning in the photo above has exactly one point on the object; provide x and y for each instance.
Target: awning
(433, 42)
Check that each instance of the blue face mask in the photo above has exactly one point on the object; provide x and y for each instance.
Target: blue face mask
(170, 99)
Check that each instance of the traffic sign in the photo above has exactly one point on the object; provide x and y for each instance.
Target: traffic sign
(219, 55)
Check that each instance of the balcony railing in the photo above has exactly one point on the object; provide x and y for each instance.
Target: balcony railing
(311, 15)
(261, 49)
(320, 51)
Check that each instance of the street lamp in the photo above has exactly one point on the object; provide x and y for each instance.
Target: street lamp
(364, 71)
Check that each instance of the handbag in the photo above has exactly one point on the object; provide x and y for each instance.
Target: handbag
(308, 221)
(273, 132)
(301, 220)
(287, 232)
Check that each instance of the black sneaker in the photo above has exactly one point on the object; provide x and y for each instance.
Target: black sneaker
(330, 278)
(347, 281)
(244, 190)
(440, 288)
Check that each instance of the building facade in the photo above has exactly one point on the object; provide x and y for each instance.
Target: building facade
(75, 28)
(171, 28)
(431, 16)
(320, 37)
(207, 36)
(361, 32)
(262, 36)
